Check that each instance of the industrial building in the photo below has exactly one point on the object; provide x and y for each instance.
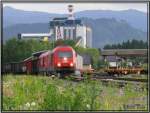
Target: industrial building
(66, 28)
(115, 57)
(87, 62)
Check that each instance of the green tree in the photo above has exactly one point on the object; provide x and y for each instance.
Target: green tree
(15, 50)
(65, 42)
(134, 44)
(94, 53)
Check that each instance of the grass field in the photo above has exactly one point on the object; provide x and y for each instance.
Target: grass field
(23, 92)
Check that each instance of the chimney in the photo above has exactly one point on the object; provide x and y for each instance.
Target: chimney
(70, 9)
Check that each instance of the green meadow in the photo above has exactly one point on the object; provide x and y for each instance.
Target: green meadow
(24, 92)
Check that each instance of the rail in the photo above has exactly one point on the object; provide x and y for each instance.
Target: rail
(100, 76)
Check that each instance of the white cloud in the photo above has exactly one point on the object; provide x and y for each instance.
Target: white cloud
(62, 7)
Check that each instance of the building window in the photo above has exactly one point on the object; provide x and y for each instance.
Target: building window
(65, 34)
(74, 34)
(69, 32)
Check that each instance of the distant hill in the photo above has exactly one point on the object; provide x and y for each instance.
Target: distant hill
(12, 31)
(135, 18)
(105, 31)
(112, 31)
(13, 16)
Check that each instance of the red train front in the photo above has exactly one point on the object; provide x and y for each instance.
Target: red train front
(64, 59)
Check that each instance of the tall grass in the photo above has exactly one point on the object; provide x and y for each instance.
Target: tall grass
(44, 93)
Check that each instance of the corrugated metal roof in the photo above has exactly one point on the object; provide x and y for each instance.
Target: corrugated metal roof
(125, 52)
(113, 58)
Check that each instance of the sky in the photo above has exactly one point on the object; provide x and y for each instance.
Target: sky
(61, 8)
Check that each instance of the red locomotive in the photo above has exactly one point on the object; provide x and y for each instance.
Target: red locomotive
(63, 59)
(60, 60)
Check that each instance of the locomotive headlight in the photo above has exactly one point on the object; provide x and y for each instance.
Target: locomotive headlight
(65, 58)
(58, 64)
(71, 64)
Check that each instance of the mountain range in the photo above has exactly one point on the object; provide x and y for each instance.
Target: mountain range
(107, 26)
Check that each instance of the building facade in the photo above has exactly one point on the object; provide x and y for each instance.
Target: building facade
(66, 28)
(63, 28)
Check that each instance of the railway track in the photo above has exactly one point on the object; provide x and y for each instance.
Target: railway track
(107, 77)
(121, 79)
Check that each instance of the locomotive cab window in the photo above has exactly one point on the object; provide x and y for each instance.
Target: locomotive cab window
(67, 54)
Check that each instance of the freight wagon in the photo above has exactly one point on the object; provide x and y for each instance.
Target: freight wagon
(124, 71)
(13, 67)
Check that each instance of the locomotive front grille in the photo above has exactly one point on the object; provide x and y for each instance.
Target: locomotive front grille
(65, 64)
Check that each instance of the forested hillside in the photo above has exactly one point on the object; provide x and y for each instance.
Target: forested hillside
(133, 44)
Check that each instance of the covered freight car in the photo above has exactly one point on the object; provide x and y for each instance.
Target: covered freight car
(13, 67)
(6, 68)
(27, 65)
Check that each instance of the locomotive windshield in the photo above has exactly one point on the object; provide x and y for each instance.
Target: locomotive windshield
(66, 54)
